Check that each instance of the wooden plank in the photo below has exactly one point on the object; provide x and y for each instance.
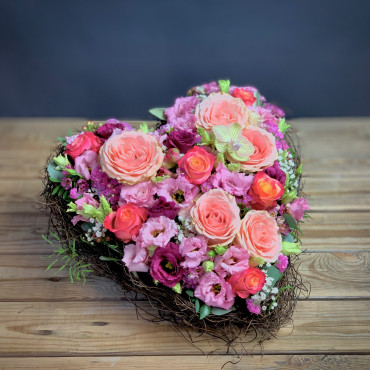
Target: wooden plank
(111, 328)
(331, 147)
(24, 278)
(325, 195)
(20, 233)
(191, 362)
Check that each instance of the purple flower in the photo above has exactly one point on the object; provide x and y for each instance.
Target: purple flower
(253, 307)
(82, 186)
(157, 231)
(276, 172)
(66, 183)
(297, 208)
(282, 263)
(234, 260)
(215, 291)
(182, 139)
(107, 129)
(192, 276)
(141, 194)
(278, 112)
(194, 250)
(165, 265)
(163, 208)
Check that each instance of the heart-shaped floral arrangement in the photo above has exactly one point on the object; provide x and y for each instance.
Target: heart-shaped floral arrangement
(200, 213)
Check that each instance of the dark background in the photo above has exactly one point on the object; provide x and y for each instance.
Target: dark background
(102, 59)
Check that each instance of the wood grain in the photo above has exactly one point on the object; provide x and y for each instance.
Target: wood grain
(112, 328)
(318, 362)
(24, 278)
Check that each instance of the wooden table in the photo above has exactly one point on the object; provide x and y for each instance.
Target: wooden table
(47, 322)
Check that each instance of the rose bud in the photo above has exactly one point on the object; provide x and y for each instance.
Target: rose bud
(171, 158)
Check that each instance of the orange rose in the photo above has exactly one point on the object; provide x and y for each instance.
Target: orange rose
(247, 282)
(259, 235)
(131, 157)
(265, 191)
(265, 152)
(245, 95)
(216, 215)
(197, 164)
(221, 109)
(83, 142)
(126, 222)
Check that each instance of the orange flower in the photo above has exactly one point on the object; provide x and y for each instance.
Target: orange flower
(265, 191)
(247, 97)
(247, 282)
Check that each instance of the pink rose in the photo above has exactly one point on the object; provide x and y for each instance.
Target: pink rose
(265, 152)
(126, 222)
(135, 258)
(197, 165)
(85, 141)
(216, 215)
(221, 109)
(259, 235)
(131, 157)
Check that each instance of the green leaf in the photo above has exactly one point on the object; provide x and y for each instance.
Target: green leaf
(60, 192)
(205, 136)
(220, 311)
(275, 274)
(190, 293)
(55, 190)
(72, 172)
(105, 207)
(197, 305)
(291, 248)
(283, 126)
(158, 179)
(104, 258)
(288, 238)
(224, 85)
(158, 112)
(205, 311)
(72, 207)
(290, 221)
(55, 175)
(144, 128)
(298, 171)
(61, 161)
(289, 195)
(151, 249)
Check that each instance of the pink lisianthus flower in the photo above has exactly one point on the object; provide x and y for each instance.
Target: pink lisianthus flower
(157, 231)
(282, 263)
(234, 183)
(278, 112)
(86, 163)
(194, 251)
(141, 194)
(135, 258)
(85, 199)
(297, 208)
(180, 191)
(215, 291)
(192, 275)
(234, 260)
(253, 307)
(181, 114)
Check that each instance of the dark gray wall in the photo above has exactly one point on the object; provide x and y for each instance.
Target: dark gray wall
(118, 58)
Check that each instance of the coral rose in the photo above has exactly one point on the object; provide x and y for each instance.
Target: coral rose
(197, 165)
(245, 95)
(216, 215)
(221, 109)
(247, 282)
(265, 152)
(83, 142)
(131, 157)
(265, 191)
(259, 235)
(126, 221)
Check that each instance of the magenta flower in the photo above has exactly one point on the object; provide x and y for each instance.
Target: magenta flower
(135, 258)
(234, 260)
(253, 307)
(298, 207)
(183, 140)
(157, 231)
(165, 265)
(282, 263)
(191, 276)
(163, 208)
(276, 172)
(140, 194)
(194, 251)
(106, 130)
(85, 163)
(215, 291)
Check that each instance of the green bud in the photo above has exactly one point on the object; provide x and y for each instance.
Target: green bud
(156, 282)
(220, 249)
(212, 254)
(291, 248)
(256, 261)
(61, 161)
(224, 85)
(289, 196)
(151, 249)
(208, 266)
(144, 127)
(177, 288)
